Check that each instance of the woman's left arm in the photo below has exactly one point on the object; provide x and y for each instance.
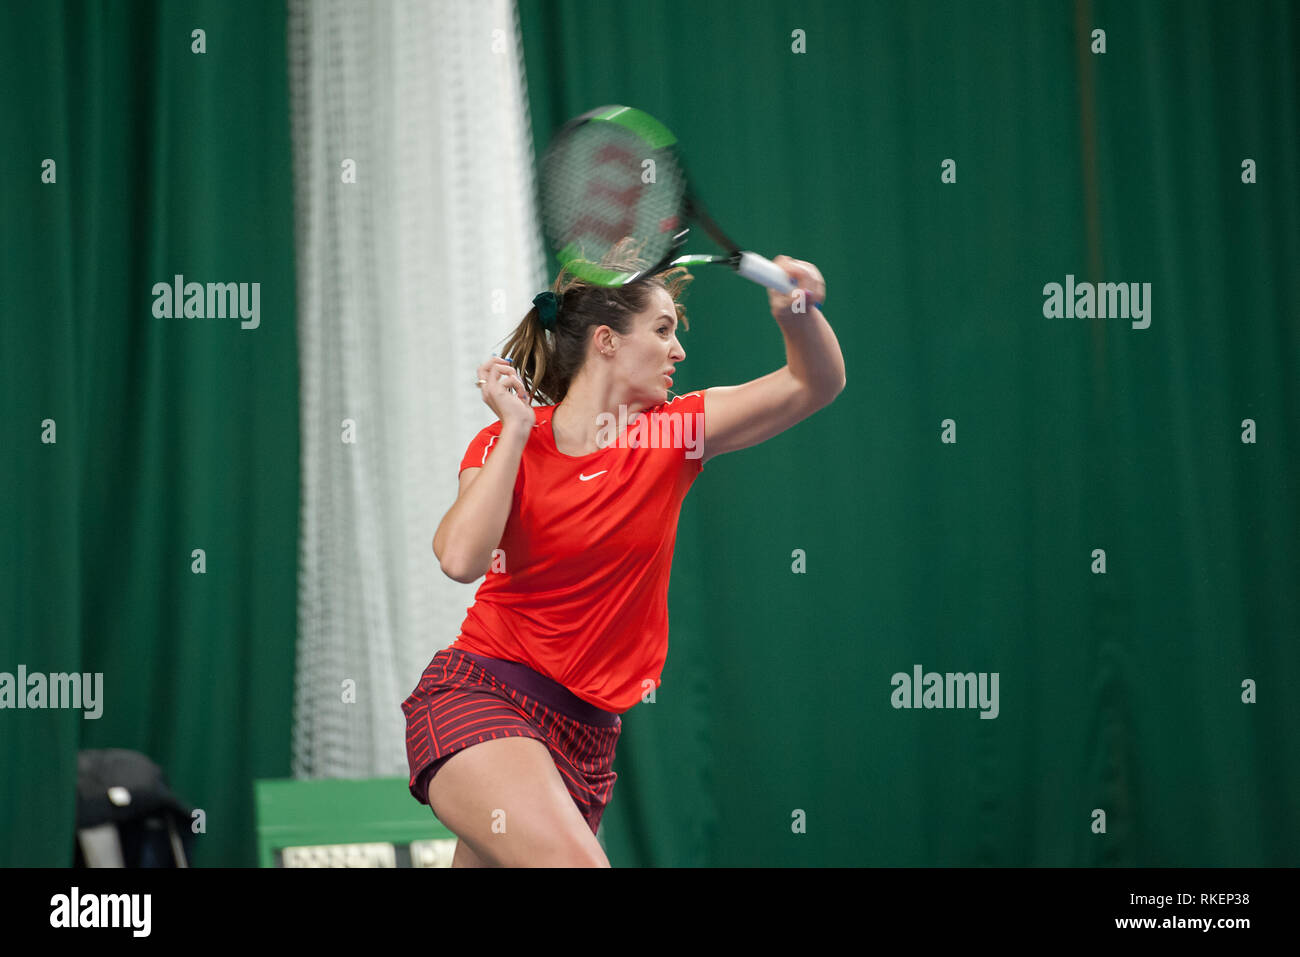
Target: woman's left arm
(740, 416)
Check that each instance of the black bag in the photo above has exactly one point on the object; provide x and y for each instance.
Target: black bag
(126, 814)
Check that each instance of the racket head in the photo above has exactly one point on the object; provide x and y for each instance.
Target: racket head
(608, 175)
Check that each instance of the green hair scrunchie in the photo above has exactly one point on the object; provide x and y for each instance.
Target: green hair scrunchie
(548, 307)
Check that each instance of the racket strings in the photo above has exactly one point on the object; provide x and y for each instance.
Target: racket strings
(602, 184)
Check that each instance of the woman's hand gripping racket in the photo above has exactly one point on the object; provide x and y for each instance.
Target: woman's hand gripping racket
(616, 172)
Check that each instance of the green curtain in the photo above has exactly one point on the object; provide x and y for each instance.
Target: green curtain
(1120, 691)
(172, 434)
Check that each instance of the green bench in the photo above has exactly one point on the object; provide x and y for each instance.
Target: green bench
(371, 822)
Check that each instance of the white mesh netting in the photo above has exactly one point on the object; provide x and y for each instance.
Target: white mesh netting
(398, 275)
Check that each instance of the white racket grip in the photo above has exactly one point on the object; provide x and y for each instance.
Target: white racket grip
(765, 272)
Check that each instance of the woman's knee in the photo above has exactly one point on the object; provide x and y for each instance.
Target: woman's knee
(569, 849)
(465, 856)
(541, 837)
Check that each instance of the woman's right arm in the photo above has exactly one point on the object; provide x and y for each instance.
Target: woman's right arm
(472, 528)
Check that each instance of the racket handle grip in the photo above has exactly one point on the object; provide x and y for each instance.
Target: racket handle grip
(765, 272)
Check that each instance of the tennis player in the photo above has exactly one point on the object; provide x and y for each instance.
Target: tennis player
(511, 730)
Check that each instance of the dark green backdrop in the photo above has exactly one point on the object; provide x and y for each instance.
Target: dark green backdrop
(173, 434)
(1119, 691)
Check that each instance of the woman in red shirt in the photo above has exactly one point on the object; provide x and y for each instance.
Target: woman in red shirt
(570, 511)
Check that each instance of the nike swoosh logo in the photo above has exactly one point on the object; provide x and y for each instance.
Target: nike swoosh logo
(586, 478)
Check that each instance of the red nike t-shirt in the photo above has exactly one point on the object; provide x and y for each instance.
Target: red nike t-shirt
(578, 589)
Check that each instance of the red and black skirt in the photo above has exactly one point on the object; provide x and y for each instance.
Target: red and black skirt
(465, 699)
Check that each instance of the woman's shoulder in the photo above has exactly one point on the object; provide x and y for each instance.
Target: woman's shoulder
(541, 414)
(692, 401)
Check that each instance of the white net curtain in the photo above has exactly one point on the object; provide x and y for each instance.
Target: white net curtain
(424, 104)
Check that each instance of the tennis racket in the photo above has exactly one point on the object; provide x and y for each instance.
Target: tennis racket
(617, 172)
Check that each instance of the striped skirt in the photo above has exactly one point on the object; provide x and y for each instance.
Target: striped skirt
(464, 699)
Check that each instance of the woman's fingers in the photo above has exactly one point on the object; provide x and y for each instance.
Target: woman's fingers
(503, 388)
(500, 372)
(806, 275)
(499, 367)
(809, 278)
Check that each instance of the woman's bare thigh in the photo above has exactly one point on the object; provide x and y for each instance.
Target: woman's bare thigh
(506, 800)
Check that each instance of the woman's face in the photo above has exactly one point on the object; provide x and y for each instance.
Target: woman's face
(646, 355)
